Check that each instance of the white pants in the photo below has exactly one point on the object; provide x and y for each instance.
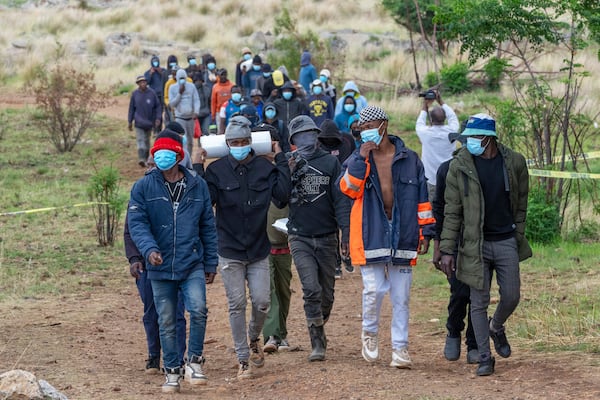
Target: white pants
(378, 279)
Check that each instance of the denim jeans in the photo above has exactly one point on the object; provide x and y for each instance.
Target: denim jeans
(193, 290)
(501, 256)
(378, 279)
(234, 274)
(281, 293)
(142, 140)
(315, 260)
(150, 319)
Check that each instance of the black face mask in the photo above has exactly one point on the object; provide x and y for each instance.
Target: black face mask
(329, 142)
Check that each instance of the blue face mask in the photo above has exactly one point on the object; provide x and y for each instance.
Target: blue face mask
(247, 56)
(286, 95)
(267, 75)
(270, 113)
(155, 64)
(240, 153)
(371, 135)
(256, 67)
(192, 61)
(323, 78)
(236, 97)
(165, 159)
(173, 64)
(182, 81)
(317, 90)
(211, 66)
(474, 146)
(349, 107)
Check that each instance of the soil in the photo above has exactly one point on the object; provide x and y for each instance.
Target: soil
(92, 345)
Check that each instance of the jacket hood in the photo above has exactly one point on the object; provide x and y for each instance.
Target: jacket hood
(171, 59)
(288, 85)
(329, 130)
(268, 104)
(350, 85)
(155, 58)
(305, 59)
(181, 74)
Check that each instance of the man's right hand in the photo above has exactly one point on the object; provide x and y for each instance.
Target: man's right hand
(181, 88)
(155, 258)
(447, 265)
(437, 254)
(130, 127)
(366, 148)
(136, 269)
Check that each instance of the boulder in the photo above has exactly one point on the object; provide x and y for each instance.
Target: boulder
(23, 385)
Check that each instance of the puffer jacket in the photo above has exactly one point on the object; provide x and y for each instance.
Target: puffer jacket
(371, 240)
(184, 233)
(465, 209)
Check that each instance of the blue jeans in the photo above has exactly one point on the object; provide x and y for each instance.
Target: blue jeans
(150, 319)
(315, 260)
(501, 256)
(193, 290)
(234, 274)
(378, 279)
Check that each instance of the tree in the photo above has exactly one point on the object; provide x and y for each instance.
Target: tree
(68, 101)
(520, 31)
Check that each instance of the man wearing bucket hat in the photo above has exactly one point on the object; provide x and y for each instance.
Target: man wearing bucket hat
(486, 209)
(242, 186)
(317, 211)
(171, 222)
(390, 223)
(145, 110)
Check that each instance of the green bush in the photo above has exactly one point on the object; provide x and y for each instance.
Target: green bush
(494, 71)
(587, 232)
(543, 218)
(431, 79)
(103, 188)
(454, 78)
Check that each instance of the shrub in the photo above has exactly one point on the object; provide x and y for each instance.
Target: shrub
(454, 78)
(543, 217)
(431, 79)
(68, 101)
(587, 232)
(494, 71)
(103, 189)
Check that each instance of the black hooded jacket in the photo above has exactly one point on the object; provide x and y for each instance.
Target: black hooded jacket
(289, 109)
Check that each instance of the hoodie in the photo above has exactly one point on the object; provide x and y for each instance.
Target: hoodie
(289, 109)
(279, 128)
(342, 120)
(361, 101)
(155, 76)
(334, 142)
(185, 104)
(308, 72)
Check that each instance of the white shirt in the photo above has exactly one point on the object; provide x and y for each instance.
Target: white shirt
(435, 146)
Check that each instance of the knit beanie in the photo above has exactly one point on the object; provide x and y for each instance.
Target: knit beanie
(168, 140)
(238, 128)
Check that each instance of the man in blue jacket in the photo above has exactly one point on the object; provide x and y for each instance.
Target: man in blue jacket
(172, 224)
(390, 223)
(145, 110)
(242, 185)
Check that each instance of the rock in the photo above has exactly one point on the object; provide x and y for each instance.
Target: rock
(261, 41)
(23, 385)
(19, 384)
(20, 43)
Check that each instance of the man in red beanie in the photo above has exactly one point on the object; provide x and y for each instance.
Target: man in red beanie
(172, 224)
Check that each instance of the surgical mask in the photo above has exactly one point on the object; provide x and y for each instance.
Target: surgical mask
(241, 152)
(256, 67)
(236, 97)
(192, 61)
(287, 95)
(270, 113)
(182, 81)
(323, 78)
(247, 56)
(306, 143)
(371, 135)
(349, 107)
(317, 90)
(267, 75)
(173, 64)
(211, 66)
(474, 146)
(165, 159)
(155, 64)
(349, 93)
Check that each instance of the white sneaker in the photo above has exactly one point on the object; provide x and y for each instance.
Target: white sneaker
(401, 358)
(194, 373)
(271, 346)
(283, 345)
(171, 385)
(370, 349)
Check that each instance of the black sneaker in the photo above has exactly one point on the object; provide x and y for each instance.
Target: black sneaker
(153, 365)
(348, 264)
(500, 342)
(338, 272)
(486, 367)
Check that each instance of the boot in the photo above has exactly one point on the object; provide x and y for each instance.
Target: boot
(318, 343)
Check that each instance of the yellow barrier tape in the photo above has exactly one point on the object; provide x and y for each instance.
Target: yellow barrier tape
(557, 159)
(563, 174)
(37, 210)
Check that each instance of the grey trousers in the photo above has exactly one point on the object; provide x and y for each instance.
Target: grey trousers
(234, 274)
(142, 139)
(188, 126)
(501, 256)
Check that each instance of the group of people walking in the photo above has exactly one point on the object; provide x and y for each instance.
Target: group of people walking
(358, 194)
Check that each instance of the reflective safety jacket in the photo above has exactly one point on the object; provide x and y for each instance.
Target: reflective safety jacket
(373, 238)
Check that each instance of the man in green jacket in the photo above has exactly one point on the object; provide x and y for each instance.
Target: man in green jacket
(486, 208)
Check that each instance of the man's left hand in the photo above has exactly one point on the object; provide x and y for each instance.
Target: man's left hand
(209, 277)
(424, 245)
(345, 250)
